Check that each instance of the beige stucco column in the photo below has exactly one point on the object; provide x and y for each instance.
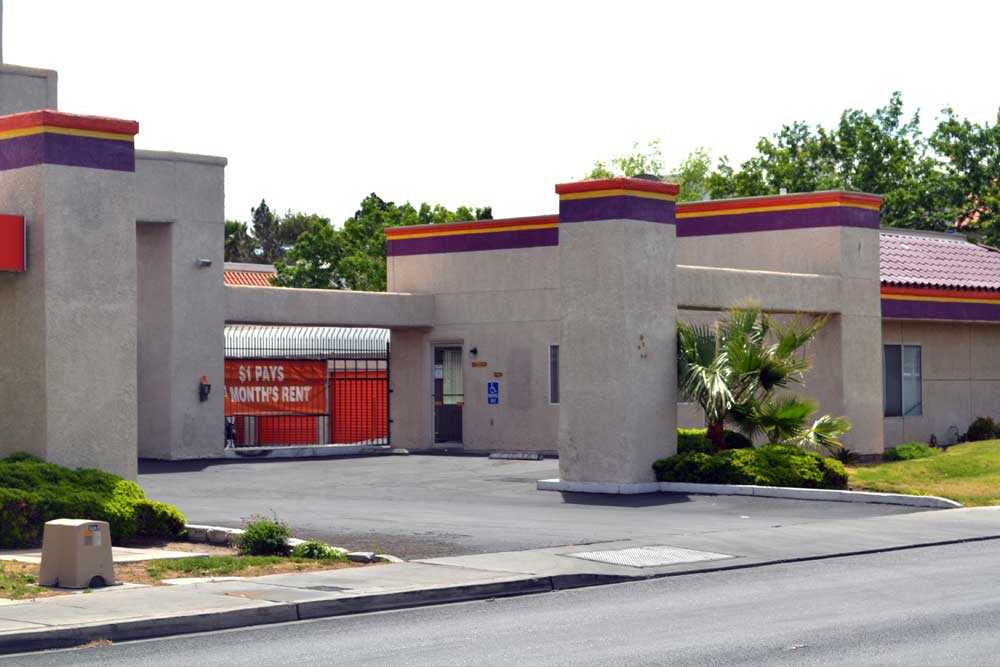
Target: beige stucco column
(859, 334)
(618, 344)
(68, 323)
(180, 226)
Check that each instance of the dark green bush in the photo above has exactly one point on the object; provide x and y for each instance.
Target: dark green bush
(696, 440)
(736, 440)
(318, 550)
(33, 492)
(982, 428)
(910, 451)
(770, 465)
(158, 520)
(693, 440)
(846, 456)
(263, 536)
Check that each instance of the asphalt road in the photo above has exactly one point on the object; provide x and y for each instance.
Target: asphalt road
(429, 506)
(929, 606)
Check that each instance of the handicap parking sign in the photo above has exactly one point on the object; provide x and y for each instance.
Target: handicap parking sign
(493, 392)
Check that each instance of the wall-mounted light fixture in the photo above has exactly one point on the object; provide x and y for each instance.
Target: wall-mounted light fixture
(203, 262)
(204, 389)
(474, 351)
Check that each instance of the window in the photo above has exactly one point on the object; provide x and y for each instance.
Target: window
(902, 380)
(553, 374)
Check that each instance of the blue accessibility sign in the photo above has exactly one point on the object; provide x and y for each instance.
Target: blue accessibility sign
(493, 392)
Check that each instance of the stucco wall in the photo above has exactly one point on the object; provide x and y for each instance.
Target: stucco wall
(830, 271)
(23, 423)
(185, 193)
(619, 344)
(960, 377)
(27, 89)
(69, 370)
(505, 303)
(155, 343)
(320, 307)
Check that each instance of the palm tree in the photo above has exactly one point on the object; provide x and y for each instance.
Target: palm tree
(733, 368)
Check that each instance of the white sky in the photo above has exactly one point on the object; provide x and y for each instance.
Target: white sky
(317, 104)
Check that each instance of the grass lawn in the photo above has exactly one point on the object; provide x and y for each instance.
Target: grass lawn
(222, 566)
(17, 581)
(968, 473)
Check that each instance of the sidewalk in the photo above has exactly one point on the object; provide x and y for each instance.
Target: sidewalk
(137, 613)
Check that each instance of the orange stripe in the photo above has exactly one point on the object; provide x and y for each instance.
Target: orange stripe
(538, 220)
(932, 294)
(748, 203)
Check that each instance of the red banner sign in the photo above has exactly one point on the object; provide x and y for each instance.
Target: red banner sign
(275, 387)
(13, 248)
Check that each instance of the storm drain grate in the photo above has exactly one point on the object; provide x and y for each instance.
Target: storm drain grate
(648, 556)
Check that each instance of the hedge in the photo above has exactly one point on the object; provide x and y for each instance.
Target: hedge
(33, 492)
(769, 465)
(696, 440)
(910, 451)
(982, 428)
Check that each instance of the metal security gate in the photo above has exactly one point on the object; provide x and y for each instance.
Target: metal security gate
(306, 386)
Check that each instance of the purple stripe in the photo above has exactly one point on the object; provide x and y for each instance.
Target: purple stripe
(621, 207)
(68, 150)
(941, 310)
(832, 216)
(528, 238)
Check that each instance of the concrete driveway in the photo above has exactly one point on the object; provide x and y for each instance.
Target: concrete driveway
(429, 506)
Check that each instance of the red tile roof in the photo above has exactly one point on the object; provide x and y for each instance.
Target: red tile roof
(937, 261)
(248, 278)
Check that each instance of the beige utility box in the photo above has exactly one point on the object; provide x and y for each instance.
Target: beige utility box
(76, 553)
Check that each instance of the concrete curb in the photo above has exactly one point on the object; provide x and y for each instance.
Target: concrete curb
(311, 451)
(149, 628)
(829, 495)
(146, 628)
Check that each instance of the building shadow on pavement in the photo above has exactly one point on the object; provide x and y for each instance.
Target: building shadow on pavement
(630, 500)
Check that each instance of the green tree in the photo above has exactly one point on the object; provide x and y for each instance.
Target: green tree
(735, 369)
(970, 156)
(292, 225)
(266, 229)
(692, 175)
(313, 259)
(881, 152)
(639, 162)
(363, 236)
(239, 245)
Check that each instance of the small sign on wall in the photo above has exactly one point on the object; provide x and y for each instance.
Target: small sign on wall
(493, 392)
(13, 244)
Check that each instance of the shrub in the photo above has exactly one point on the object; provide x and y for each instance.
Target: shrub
(846, 456)
(696, 440)
(982, 428)
(263, 536)
(693, 440)
(318, 550)
(736, 440)
(770, 465)
(33, 491)
(158, 520)
(910, 451)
